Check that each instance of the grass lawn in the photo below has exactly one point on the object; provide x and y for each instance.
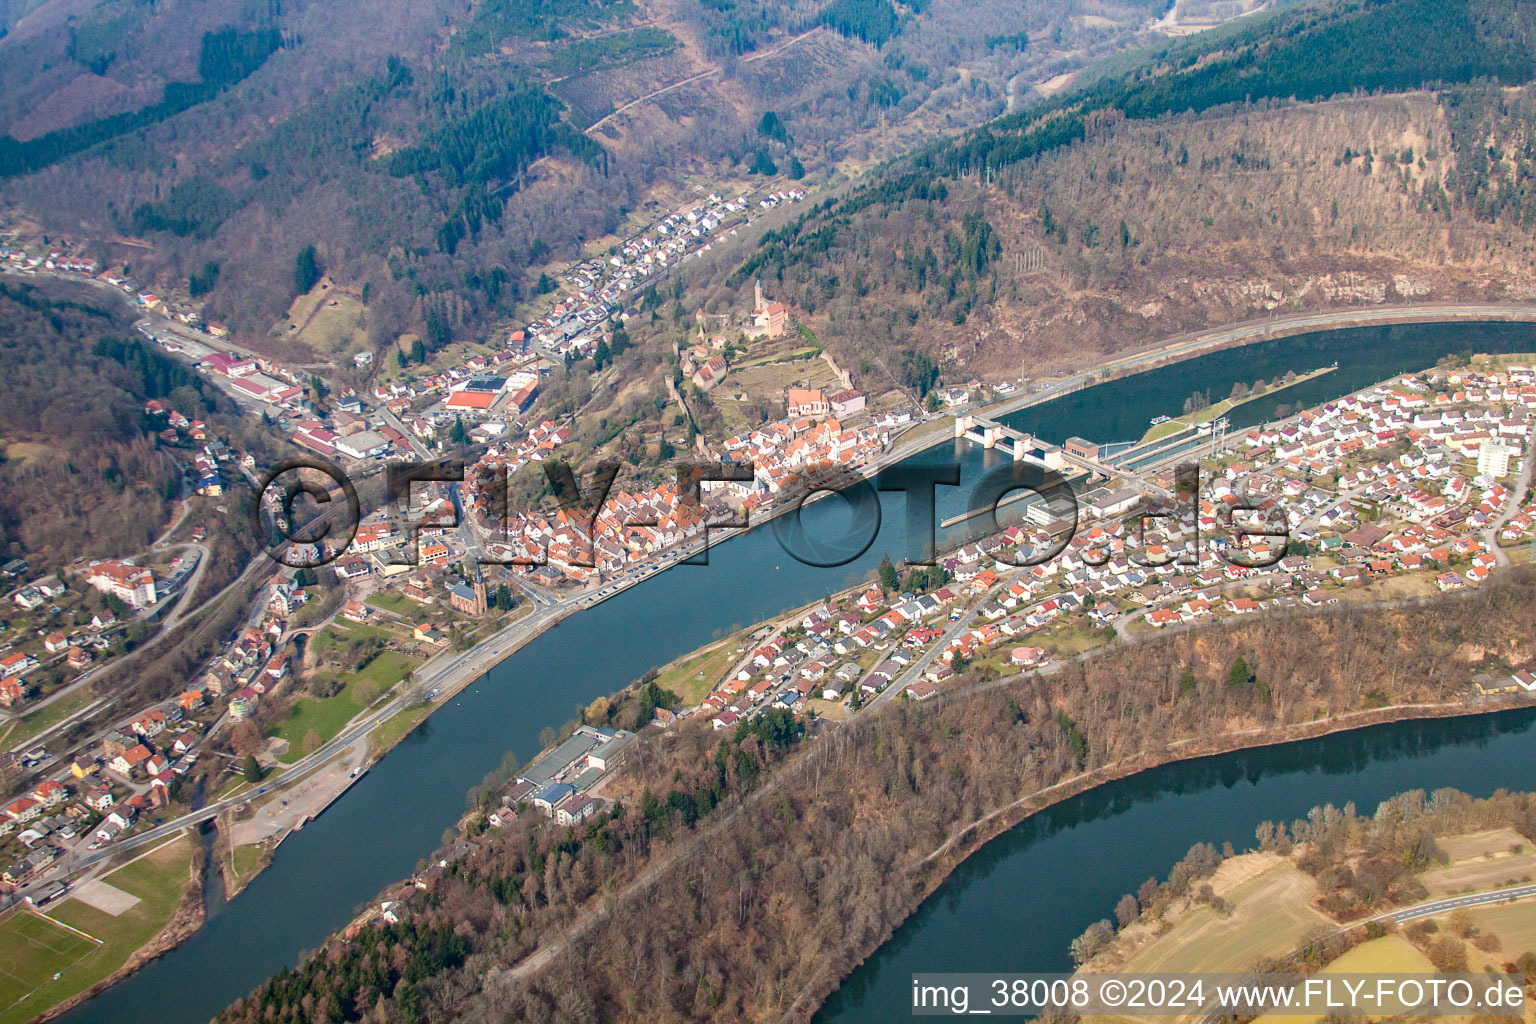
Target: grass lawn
(390, 732)
(232, 784)
(692, 678)
(835, 710)
(33, 950)
(1068, 641)
(46, 718)
(326, 717)
(328, 638)
(397, 603)
(244, 860)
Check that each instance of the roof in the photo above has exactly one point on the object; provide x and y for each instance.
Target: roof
(471, 400)
(555, 793)
(545, 768)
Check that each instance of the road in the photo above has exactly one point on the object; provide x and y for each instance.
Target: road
(1184, 346)
(913, 672)
(1433, 907)
(1420, 910)
(1511, 507)
(447, 673)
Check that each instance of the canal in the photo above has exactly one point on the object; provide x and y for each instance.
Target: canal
(380, 830)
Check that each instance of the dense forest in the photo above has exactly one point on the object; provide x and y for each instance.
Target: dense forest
(81, 475)
(226, 57)
(743, 878)
(82, 472)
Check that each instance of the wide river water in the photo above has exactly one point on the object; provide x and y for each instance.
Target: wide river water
(1049, 878)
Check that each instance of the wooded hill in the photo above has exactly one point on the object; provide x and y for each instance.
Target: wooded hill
(1252, 168)
(80, 471)
(770, 865)
(234, 134)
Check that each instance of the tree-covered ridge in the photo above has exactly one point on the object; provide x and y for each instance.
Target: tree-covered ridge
(869, 21)
(194, 207)
(1305, 54)
(227, 56)
(1493, 136)
(486, 153)
(493, 902)
(497, 142)
(347, 988)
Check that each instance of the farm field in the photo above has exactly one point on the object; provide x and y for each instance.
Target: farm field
(1513, 923)
(1390, 954)
(1480, 861)
(1273, 913)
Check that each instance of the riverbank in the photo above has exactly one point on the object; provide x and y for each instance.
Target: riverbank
(1211, 412)
(469, 667)
(971, 838)
(185, 921)
(540, 687)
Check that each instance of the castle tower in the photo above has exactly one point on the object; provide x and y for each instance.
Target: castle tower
(757, 294)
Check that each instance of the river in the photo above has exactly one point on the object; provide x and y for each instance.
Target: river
(380, 829)
(1017, 903)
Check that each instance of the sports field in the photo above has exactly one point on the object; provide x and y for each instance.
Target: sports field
(32, 951)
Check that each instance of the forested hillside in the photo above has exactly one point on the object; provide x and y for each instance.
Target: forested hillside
(442, 157)
(813, 850)
(1313, 148)
(81, 470)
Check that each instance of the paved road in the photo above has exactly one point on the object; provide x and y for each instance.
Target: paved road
(1430, 909)
(1249, 331)
(913, 672)
(1522, 484)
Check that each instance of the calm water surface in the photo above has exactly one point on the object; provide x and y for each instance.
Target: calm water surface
(379, 831)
